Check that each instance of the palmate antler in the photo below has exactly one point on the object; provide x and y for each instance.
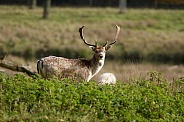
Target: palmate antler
(115, 39)
(106, 44)
(82, 37)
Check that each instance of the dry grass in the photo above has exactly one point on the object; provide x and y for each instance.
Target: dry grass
(144, 31)
(146, 28)
(126, 71)
(123, 71)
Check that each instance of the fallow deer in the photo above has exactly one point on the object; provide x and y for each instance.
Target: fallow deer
(82, 69)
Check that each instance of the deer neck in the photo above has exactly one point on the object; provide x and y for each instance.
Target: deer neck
(96, 65)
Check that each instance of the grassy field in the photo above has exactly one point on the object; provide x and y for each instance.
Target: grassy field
(147, 35)
(147, 61)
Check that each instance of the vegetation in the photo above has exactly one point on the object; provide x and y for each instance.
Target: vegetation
(150, 35)
(146, 34)
(35, 99)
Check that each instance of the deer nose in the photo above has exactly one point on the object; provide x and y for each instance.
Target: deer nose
(100, 56)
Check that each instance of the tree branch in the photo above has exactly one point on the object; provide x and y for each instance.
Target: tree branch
(16, 67)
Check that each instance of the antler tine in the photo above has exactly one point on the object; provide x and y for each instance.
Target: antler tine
(117, 34)
(82, 37)
(105, 44)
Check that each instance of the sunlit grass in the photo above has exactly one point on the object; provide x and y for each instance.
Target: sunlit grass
(162, 19)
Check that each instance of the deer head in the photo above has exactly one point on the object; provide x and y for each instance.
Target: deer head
(100, 50)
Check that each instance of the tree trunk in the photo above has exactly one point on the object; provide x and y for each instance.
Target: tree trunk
(155, 3)
(46, 7)
(32, 4)
(90, 3)
(122, 6)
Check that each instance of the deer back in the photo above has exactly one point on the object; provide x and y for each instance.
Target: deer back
(60, 67)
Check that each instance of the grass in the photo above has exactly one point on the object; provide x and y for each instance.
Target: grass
(146, 34)
(150, 99)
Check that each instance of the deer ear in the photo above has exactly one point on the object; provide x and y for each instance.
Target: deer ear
(107, 47)
(92, 47)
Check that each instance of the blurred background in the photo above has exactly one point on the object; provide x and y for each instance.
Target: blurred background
(151, 37)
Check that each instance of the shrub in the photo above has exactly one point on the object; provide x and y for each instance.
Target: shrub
(35, 99)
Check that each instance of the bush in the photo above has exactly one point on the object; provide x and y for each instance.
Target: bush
(35, 99)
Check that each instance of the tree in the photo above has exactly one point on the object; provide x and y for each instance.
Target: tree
(46, 7)
(90, 3)
(122, 6)
(32, 4)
